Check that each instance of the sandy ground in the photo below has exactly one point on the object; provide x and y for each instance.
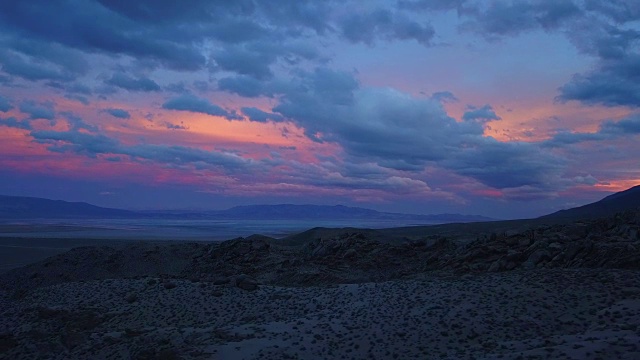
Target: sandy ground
(540, 314)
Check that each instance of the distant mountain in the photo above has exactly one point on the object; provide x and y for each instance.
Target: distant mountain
(621, 201)
(18, 207)
(325, 212)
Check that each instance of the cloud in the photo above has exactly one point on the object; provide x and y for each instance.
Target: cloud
(621, 11)
(126, 82)
(77, 123)
(365, 28)
(616, 82)
(503, 165)
(246, 61)
(81, 99)
(396, 184)
(31, 69)
(118, 113)
(444, 96)
(15, 123)
(5, 104)
(483, 114)
(627, 126)
(244, 86)
(171, 126)
(586, 180)
(401, 132)
(258, 115)
(96, 144)
(507, 18)
(67, 60)
(237, 31)
(91, 27)
(608, 130)
(77, 142)
(198, 105)
(38, 111)
(431, 5)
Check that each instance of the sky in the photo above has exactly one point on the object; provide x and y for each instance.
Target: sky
(505, 108)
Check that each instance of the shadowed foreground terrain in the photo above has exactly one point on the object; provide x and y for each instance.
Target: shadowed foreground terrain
(561, 291)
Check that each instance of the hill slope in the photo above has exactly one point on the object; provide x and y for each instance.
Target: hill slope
(19, 207)
(621, 201)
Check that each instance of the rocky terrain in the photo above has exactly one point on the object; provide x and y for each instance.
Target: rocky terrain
(557, 291)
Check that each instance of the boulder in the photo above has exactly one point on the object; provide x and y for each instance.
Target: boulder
(245, 282)
(496, 266)
(350, 253)
(538, 256)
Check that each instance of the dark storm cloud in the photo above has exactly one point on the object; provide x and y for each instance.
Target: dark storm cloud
(198, 105)
(127, 82)
(366, 28)
(258, 115)
(5, 104)
(38, 110)
(119, 113)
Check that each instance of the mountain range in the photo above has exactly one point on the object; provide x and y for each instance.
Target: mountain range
(16, 207)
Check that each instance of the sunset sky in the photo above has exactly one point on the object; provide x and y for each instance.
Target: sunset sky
(498, 108)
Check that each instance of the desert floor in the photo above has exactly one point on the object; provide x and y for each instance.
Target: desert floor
(538, 314)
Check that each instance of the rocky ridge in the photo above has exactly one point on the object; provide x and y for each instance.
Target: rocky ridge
(348, 257)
